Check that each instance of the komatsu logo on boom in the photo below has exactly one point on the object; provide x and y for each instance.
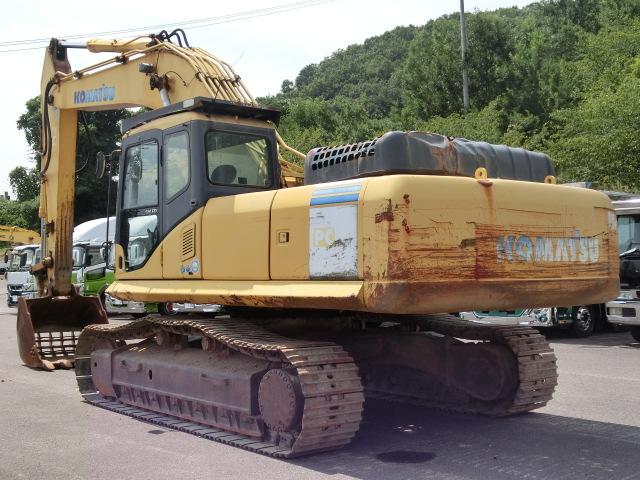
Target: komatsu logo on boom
(102, 94)
(580, 249)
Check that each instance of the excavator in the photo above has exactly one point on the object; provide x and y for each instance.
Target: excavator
(18, 235)
(334, 276)
(15, 236)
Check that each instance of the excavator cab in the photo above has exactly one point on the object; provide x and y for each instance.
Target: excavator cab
(168, 174)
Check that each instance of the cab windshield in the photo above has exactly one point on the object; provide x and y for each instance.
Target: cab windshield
(86, 256)
(78, 256)
(628, 232)
(238, 159)
(23, 259)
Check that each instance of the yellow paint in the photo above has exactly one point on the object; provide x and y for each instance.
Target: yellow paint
(151, 269)
(290, 213)
(235, 237)
(430, 244)
(113, 83)
(336, 295)
(172, 258)
(427, 244)
(14, 234)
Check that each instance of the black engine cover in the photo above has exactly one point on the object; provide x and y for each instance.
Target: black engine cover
(424, 153)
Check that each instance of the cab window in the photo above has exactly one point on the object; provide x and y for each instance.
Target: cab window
(176, 163)
(78, 256)
(628, 232)
(143, 237)
(141, 176)
(238, 159)
(140, 203)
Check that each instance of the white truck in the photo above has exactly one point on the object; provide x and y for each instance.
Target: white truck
(625, 310)
(20, 282)
(92, 274)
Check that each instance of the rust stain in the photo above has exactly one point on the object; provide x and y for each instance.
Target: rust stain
(407, 201)
(467, 243)
(385, 215)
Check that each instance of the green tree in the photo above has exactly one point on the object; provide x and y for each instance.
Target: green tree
(96, 131)
(30, 123)
(25, 183)
(433, 70)
(287, 86)
(598, 141)
(21, 214)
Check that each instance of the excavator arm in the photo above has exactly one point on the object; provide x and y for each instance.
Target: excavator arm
(150, 72)
(13, 234)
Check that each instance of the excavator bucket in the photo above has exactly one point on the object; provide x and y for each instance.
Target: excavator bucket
(48, 328)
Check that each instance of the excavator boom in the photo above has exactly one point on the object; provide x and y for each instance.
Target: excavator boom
(14, 234)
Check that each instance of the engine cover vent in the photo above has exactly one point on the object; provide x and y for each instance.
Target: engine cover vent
(426, 154)
(188, 241)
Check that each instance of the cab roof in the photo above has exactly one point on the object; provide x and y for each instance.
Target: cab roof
(205, 105)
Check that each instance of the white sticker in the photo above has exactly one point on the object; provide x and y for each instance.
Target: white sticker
(333, 237)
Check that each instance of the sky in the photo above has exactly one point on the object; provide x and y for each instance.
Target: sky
(263, 50)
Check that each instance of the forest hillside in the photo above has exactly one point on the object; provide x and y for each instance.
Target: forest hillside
(559, 76)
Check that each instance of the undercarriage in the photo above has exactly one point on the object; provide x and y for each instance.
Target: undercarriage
(246, 384)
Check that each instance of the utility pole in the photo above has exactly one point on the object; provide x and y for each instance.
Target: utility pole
(465, 77)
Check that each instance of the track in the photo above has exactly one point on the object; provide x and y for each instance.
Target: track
(328, 378)
(536, 366)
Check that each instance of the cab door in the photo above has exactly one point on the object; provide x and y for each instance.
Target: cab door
(139, 219)
(181, 221)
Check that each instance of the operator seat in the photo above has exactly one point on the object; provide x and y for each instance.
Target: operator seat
(224, 174)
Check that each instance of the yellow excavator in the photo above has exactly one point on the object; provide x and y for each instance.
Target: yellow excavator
(15, 235)
(334, 277)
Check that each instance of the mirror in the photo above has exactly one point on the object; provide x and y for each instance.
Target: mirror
(104, 251)
(101, 164)
(95, 274)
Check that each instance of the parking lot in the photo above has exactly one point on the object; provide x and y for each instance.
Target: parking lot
(590, 430)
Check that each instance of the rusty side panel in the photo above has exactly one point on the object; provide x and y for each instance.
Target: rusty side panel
(432, 248)
(430, 244)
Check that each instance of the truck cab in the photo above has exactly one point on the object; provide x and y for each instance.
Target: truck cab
(91, 275)
(625, 309)
(95, 279)
(20, 281)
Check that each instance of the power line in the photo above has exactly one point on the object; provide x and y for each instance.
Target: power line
(191, 24)
(300, 4)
